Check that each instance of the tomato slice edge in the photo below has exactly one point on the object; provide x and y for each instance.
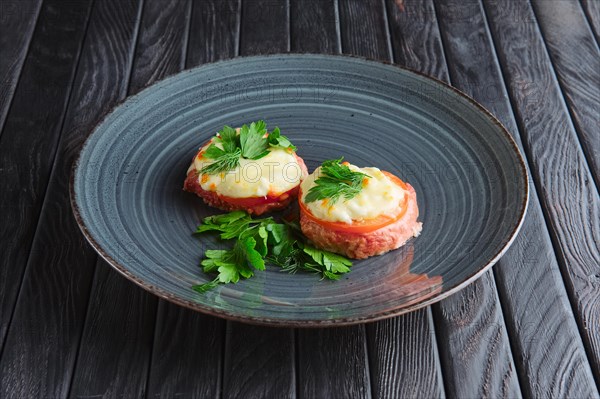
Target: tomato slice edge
(364, 226)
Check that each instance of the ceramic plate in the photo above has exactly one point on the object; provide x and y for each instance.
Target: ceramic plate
(470, 179)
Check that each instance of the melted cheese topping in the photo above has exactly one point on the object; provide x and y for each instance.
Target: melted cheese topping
(273, 174)
(379, 196)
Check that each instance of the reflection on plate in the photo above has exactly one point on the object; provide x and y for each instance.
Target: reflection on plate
(470, 180)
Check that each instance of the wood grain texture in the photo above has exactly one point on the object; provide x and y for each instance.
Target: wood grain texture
(313, 26)
(215, 31)
(333, 363)
(187, 354)
(592, 12)
(484, 369)
(474, 346)
(114, 352)
(162, 42)
(403, 354)
(528, 278)
(415, 37)
(322, 354)
(576, 59)
(258, 362)
(470, 322)
(264, 27)
(116, 347)
(569, 197)
(418, 345)
(28, 145)
(17, 23)
(364, 29)
(42, 341)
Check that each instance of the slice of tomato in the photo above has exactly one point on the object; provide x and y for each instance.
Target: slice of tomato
(361, 226)
(395, 179)
(250, 202)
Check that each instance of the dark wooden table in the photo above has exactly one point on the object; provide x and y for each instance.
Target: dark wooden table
(71, 326)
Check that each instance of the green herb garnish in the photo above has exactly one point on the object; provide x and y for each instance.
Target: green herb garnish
(224, 161)
(261, 241)
(336, 181)
(276, 139)
(251, 143)
(229, 138)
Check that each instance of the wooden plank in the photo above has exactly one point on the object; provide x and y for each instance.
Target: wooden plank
(17, 23)
(162, 44)
(474, 346)
(28, 145)
(313, 27)
(364, 31)
(569, 198)
(187, 354)
(42, 341)
(576, 59)
(332, 363)
(264, 27)
(323, 354)
(188, 346)
(527, 276)
(415, 37)
(260, 361)
(469, 320)
(115, 361)
(115, 348)
(404, 362)
(215, 31)
(592, 12)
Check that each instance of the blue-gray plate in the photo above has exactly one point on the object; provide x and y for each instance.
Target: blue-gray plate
(470, 180)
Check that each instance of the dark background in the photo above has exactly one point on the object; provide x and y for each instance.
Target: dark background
(71, 326)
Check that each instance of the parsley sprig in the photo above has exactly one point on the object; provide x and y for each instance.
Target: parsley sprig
(253, 142)
(276, 139)
(262, 241)
(336, 181)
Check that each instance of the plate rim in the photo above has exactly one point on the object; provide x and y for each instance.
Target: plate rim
(310, 323)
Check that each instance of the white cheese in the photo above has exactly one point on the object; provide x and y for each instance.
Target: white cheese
(273, 174)
(379, 196)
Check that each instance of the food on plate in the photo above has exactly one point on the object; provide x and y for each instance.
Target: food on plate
(246, 169)
(258, 242)
(357, 212)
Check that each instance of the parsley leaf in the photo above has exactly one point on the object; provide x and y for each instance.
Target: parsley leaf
(304, 257)
(332, 262)
(230, 225)
(262, 241)
(229, 139)
(276, 139)
(253, 142)
(225, 159)
(231, 264)
(248, 248)
(337, 181)
(214, 152)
